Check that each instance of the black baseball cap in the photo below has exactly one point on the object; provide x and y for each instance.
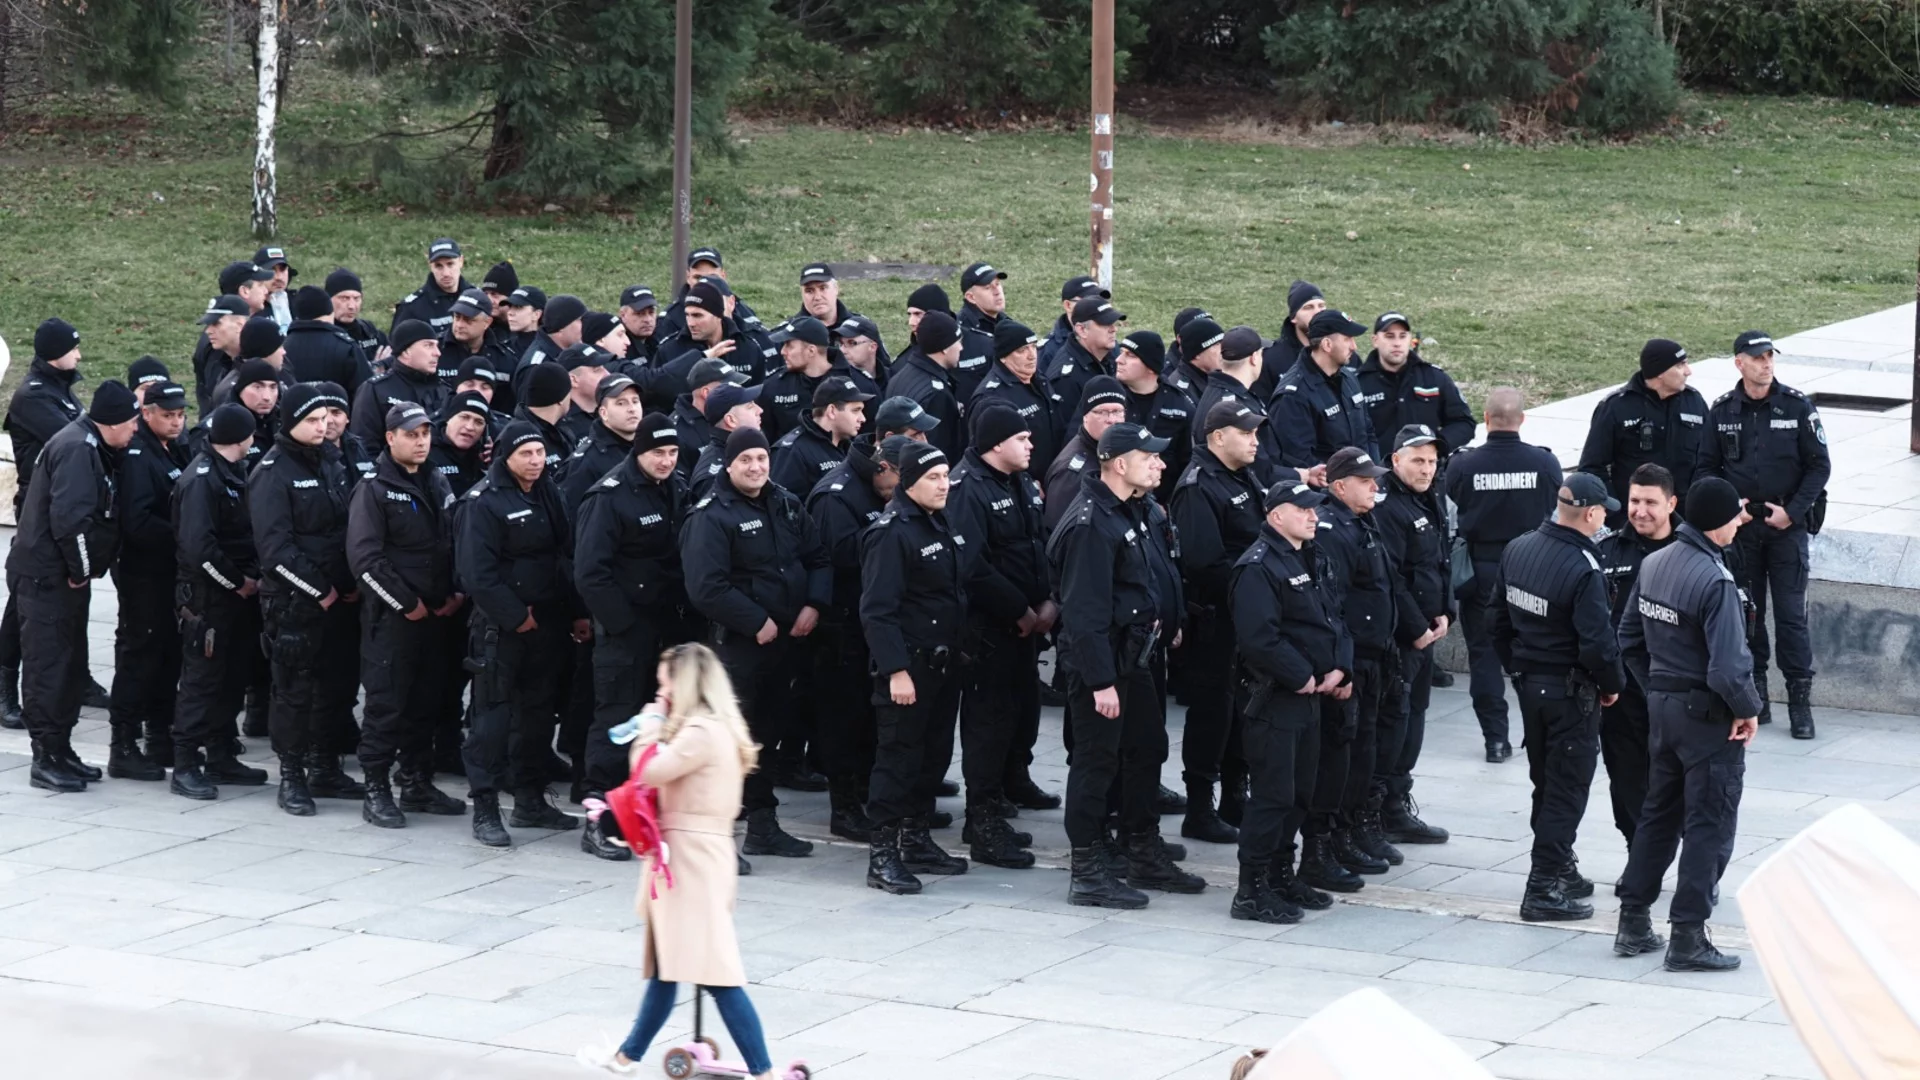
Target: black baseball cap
(1351, 461)
(1330, 321)
(904, 414)
(711, 370)
(813, 272)
(582, 355)
(979, 274)
(703, 255)
(443, 248)
(611, 384)
(857, 326)
(1754, 343)
(527, 296)
(1293, 494)
(1079, 288)
(805, 328)
(1096, 309)
(473, 303)
(239, 273)
(1413, 435)
(1586, 489)
(406, 416)
(638, 297)
(725, 397)
(1389, 318)
(1239, 343)
(837, 390)
(1123, 438)
(272, 256)
(1232, 414)
(222, 306)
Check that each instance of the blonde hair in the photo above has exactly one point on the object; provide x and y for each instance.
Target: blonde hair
(698, 685)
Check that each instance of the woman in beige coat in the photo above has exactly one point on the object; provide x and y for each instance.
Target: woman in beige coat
(704, 755)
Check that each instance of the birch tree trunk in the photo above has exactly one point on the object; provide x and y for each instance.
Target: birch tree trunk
(266, 106)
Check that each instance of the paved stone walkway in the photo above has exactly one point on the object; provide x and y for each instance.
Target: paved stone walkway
(235, 913)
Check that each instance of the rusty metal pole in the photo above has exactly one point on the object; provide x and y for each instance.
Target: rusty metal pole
(1102, 223)
(682, 137)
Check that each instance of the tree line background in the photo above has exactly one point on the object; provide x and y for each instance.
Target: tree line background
(572, 98)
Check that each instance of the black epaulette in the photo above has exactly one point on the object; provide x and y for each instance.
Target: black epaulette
(1724, 398)
(789, 438)
(1189, 475)
(885, 518)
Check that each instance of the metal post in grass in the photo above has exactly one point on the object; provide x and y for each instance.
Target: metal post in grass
(1913, 425)
(1102, 224)
(266, 105)
(682, 136)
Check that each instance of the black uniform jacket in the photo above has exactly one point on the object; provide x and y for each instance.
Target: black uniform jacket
(514, 552)
(1684, 629)
(148, 471)
(213, 539)
(400, 536)
(297, 498)
(913, 571)
(1634, 425)
(1001, 516)
(70, 523)
(1419, 393)
(626, 561)
(1218, 512)
(1287, 630)
(1551, 612)
(750, 559)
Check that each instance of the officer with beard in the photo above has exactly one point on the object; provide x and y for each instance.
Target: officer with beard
(1319, 407)
(344, 292)
(1402, 388)
(432, 303)
(627, 570)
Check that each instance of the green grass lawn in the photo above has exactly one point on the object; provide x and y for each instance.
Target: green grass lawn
(1545, 267)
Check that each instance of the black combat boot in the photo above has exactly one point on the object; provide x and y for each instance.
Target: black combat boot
(1201, 822)
(190, 776)
(69, 758)
(1255, 900)
(595, 841)
(1636, 934)
(1766, 704)
(991, 840)
(327, 780)
(126, 762)
(159, 748)
(1168, 801)
(946, 789)
(1113, 849)
(419, 796)
(1800, 713)
(1573, 883)
(10, 699)
(294, 797)
(1148, 867)
(486, 820)
(967, 833)
(95, 696)
(1233, 794)
(847, 820)
(1442, 679)
(884, 868)
(49, 773)
(1370, 836)
(1290, 888)
(1692, 950)
(255, 724)
(1093, 885)
(1352, 856)
(1320, 869)
(377, 808)
(920, 855)
(939, 819)
(1027, 795)
(1546, 902)
(533, 809)
(766, 837)
(1400, 819)
(224, 768)
(1498, 750)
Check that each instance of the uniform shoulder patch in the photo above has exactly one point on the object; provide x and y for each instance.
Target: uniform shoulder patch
(885, 518)
(610, 481)
(789, 438)
(704, 500)
(1326, 524)
(410, 298)
(1724, 398)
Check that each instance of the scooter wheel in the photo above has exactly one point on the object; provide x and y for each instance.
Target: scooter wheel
(712, 1047)
(799, 1072)
(678, 1064)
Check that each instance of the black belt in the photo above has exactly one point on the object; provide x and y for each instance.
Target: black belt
(1676, 684)
(1481, 549)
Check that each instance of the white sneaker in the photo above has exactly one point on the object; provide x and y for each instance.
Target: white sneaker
(606, 1057)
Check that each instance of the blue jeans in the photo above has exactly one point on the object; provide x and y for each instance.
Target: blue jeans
(736, 1011)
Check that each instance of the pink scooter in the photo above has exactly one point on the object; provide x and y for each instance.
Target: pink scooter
(701, 1056)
